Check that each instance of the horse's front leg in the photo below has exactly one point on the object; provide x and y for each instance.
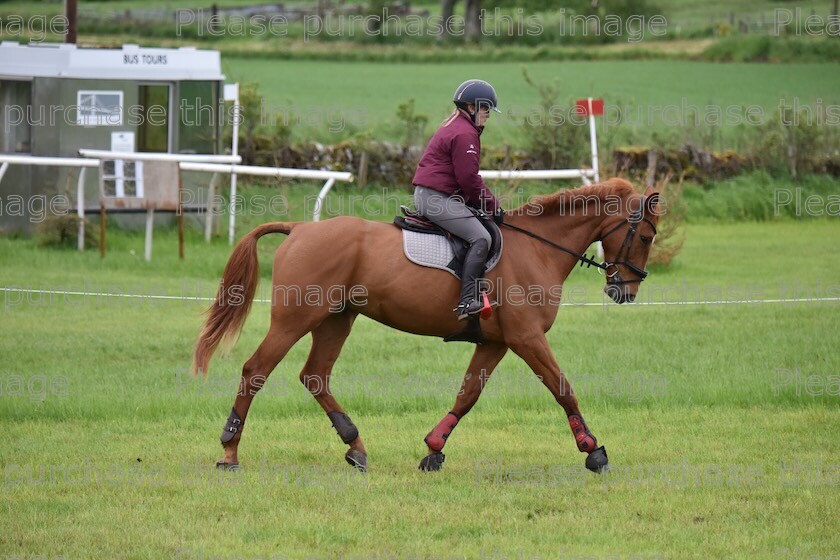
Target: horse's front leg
(484, 360)
(537, 354)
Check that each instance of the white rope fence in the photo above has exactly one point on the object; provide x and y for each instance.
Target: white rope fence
(583, 304)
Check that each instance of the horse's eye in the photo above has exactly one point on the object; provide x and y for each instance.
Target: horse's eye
(646, 240)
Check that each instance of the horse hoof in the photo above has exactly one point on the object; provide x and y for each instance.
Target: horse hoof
(228, 466)
(597, 461)
(432, 462)
(356, 459)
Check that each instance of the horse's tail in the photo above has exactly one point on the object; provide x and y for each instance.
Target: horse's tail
(227, 314)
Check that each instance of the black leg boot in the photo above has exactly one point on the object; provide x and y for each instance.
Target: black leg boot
(470, 302)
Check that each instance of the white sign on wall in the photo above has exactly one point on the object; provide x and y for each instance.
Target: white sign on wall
(123, 178)
(122, 141)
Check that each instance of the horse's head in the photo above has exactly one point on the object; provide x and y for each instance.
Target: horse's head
(627, 241)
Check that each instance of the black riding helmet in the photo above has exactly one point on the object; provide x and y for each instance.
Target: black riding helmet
(478, 93)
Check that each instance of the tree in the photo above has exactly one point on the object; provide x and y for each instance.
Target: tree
(472, 18)
(472, 29)
(447, 10)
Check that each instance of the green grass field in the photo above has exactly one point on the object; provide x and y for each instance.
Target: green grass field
(721, 420)
(327, 101)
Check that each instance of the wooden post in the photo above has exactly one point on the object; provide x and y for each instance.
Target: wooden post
(651, 168)
(180, 220)
(102, 230)
(70, 14)
(363, 169)
(214, 11)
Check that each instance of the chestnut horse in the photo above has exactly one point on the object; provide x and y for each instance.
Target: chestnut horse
(543, 241)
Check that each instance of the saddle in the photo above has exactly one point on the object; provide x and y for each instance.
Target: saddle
(428, 244)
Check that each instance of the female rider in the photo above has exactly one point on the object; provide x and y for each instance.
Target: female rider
(447, 185)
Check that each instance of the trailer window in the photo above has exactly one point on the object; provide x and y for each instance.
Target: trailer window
(99, 108)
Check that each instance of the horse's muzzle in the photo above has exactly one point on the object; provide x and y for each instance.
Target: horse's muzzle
(619, 293)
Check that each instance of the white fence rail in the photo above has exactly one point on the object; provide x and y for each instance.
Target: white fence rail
(288, 173)
(57, 162)
(230, 164)
(154, 156)
(536, 175)
(186, 162)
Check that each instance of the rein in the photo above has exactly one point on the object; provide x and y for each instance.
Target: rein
(588, 261)
(633, 220)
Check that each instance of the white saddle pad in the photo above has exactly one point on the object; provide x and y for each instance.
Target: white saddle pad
(434, 251)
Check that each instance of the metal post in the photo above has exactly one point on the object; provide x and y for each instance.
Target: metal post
(211, 197)
(319, 204)
(180, 218)
(103, 222)
(232, 209)
(150, 222)
(235, 152)
(80, 207)
(593, 141)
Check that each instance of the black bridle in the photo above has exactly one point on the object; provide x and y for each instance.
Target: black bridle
(634, 219)
(614, 278)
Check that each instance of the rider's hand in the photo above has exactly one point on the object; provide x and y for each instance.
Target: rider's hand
(499, 216)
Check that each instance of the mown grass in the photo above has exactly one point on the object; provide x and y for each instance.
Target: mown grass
(721, 444)
(639, 95)
(782, 205)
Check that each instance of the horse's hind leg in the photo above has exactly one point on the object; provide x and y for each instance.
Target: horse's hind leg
(327, 341)
(255, 372)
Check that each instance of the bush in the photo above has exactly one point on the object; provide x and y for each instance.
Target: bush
(412, 124)
(554, 143)
(793, 143)
(62, 231)
(670, 235)
(766, 48)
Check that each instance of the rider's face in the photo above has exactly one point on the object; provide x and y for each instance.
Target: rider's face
(483, 114)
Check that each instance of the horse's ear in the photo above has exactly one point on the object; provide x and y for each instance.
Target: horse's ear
(651, 202)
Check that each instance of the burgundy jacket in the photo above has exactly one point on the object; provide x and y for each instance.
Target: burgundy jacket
(450, 163)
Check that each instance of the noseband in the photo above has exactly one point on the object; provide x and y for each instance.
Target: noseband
(623, 255)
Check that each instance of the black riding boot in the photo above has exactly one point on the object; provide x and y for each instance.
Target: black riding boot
(470, 302)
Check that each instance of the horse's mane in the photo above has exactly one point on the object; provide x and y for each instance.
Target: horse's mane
(569, 198)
